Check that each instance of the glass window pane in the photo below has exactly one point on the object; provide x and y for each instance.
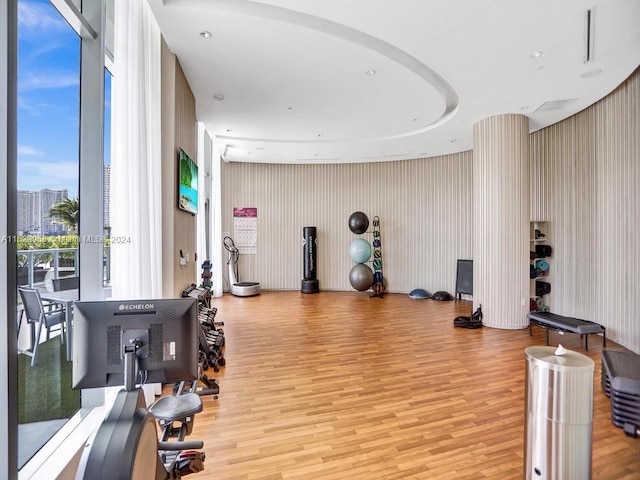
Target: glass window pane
(48, 123)
(106, 184)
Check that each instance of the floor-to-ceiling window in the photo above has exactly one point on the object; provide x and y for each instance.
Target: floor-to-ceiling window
(106, 186)
(47, 203)
(106, 189)
(61, 110)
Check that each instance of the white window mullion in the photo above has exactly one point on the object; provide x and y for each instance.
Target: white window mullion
(76, 19)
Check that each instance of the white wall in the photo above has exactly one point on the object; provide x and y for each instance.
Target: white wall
(424, 207)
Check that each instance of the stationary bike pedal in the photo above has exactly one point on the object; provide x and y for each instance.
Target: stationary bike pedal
(190, 462)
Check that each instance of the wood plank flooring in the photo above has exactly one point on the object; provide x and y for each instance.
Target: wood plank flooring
(338, 385)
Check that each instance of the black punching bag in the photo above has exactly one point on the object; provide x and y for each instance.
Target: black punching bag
(309, 282)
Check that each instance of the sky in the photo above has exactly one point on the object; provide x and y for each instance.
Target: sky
(48, 99)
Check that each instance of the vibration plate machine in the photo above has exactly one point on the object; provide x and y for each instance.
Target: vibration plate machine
(239, 289)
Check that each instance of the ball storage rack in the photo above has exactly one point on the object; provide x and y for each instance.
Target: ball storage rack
(378, 278)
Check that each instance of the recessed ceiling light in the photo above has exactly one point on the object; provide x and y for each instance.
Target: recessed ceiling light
(205, 34)
(370, 72)
(591, 73)
(289, 108)
(229, 130)
(454, 140)
(218, 97)
(536, 54)
(523, 108)
(415, 119)
(321, 135)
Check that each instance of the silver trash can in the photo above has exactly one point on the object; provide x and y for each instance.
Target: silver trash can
(558, 415)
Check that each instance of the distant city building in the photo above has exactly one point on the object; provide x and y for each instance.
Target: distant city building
(106, 196)
(33, 208)
(28, 212)
(48, 198)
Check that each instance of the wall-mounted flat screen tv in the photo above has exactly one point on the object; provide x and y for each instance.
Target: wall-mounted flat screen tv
(187, 183)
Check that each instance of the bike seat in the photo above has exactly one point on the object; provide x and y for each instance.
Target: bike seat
(172, 408)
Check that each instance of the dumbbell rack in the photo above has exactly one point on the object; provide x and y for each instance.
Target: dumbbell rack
(210, 336)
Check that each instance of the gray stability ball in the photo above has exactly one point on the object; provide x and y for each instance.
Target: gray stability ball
(361, 277)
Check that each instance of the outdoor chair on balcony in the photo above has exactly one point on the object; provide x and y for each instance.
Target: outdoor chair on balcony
(65, 283)
(38, 316)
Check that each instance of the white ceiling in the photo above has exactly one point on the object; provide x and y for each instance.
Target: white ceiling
(293, 73)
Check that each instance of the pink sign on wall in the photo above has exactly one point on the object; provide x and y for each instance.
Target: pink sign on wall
(245, 229)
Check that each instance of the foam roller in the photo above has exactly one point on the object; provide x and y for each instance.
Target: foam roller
(543, 251)
(542, 288)
(542, 265)
(533, 305)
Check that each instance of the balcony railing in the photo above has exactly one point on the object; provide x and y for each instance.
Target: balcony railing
(32, 270)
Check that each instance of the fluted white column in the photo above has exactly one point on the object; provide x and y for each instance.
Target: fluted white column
(501, 198)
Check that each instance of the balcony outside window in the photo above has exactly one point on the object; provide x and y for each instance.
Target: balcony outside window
(48, 159)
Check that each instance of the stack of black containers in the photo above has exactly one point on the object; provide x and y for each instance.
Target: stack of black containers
(620, 381)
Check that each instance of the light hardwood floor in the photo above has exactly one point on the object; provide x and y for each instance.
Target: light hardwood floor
(338, 385)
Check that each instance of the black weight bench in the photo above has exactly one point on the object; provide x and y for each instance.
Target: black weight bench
(552, 321)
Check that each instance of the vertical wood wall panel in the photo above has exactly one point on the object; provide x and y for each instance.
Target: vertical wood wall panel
(539, 212)
(590, 171)
(168, 79)
(178, 130)
(184, 223)
(502, 205)
(617, 157)
(424, 207)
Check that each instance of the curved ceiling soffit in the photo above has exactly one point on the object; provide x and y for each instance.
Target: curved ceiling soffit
(349, 34)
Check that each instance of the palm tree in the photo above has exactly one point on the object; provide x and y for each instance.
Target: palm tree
(67, 211)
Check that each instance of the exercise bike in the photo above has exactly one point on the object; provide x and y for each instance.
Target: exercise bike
(239, 289)
(126, 446)
(175, 414)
